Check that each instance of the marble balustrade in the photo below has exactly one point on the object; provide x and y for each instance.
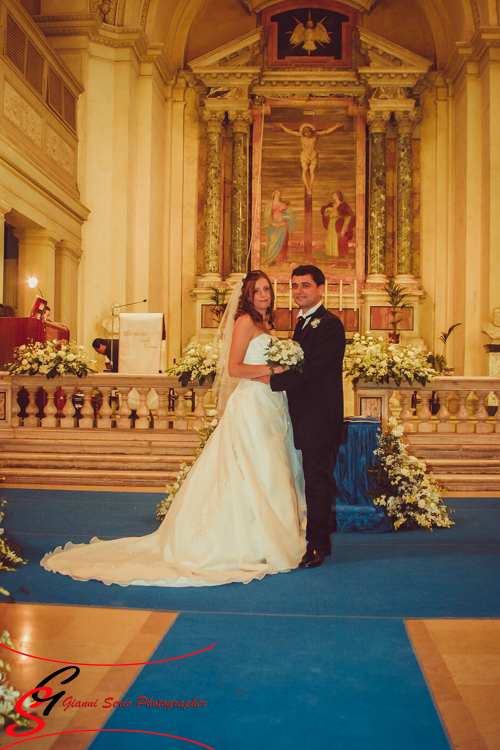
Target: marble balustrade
(461, 409)
(159, 402)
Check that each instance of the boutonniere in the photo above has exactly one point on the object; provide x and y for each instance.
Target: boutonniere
(315, 323)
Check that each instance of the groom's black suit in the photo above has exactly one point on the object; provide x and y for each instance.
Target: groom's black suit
(315, 400)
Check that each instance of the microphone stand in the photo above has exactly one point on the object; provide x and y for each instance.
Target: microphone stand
(118, 307)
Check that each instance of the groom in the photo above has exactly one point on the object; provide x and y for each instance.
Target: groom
(315, 400)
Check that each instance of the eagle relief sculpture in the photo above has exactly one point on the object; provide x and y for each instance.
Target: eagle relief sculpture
(309, 34)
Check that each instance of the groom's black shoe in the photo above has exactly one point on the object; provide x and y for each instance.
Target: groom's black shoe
(312, 559)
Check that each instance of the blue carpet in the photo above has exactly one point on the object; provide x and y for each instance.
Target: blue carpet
(286, 683)
(447, 573)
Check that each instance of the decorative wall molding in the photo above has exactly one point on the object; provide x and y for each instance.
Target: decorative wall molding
(21, 114)
(255, 6)
(60, 152)
(144, 13)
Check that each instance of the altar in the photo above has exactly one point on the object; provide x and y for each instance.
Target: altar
(354, 508)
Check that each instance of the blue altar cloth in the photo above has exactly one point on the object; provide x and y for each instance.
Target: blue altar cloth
(354, 507)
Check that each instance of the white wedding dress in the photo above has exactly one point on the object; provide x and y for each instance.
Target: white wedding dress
(239, 515)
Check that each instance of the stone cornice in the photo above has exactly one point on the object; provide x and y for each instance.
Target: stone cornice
(90, 26)
(486, 38)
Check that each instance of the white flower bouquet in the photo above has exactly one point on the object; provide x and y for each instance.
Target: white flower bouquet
(372, 360)
(198, 362)
(410, 498)
(285, 352)
(53, 359)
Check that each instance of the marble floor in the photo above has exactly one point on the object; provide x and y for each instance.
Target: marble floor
(459, 658)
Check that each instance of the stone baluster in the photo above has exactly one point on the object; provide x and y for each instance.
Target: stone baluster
(86, 412)
(481, 414)
(240, 121)
(199, 412)
(105, 411)
(68, 421)
(463, 414)
(405, 120)
(180, 410)
(50, 409)
(124, 410)
(31, 409)
(377, 122)
(497, 415)
(424, 413)
(142, 422)
(161, 422)
(443, 414)
(15, 419)
(213, 120)
(406, 412)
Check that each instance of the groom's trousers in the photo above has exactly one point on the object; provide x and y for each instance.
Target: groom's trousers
(318, 462)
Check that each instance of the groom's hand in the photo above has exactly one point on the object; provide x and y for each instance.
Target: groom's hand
(264, 379)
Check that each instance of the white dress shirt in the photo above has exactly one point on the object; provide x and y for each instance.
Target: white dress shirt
(309, 314)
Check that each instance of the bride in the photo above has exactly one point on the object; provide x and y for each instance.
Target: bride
(240, 513)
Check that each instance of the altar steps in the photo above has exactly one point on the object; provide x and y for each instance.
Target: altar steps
(460, 462)
(109, 458)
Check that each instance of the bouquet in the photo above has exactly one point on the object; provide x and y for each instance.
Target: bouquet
(409, 497)
(285, 352)
(198, 362)
(53, 359)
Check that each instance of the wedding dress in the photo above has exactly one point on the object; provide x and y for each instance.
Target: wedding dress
(239, 515)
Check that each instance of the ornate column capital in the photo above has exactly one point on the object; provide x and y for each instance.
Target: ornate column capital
(69, 250)
(213, 120)
(377, 120)
(406, 120)
(240, 120)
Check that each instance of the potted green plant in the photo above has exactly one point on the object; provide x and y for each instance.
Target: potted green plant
(438, 361)
(396, 297)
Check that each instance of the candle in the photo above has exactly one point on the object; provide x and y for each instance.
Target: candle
(275, 293)
(340, 296)
(326, 294)
(290, 294)
(355, 295)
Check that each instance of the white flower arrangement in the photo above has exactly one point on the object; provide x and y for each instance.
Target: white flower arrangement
(285, 352)
(373, 360)
(8, 695)
(53, 359)
(207, 428)
(198, 362)
(315, 323)
(410, 498)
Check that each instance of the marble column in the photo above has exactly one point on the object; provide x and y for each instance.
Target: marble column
(4, 209)
(405, 121)
(213, 120)
(66, 285)
(240, 121)
(377, 121)
(37, 257)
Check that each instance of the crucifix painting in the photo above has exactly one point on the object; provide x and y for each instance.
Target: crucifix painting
(310, 206)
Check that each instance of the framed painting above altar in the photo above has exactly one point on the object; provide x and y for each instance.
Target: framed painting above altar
(308, 187)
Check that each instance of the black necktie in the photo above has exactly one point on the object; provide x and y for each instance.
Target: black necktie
(300, 324)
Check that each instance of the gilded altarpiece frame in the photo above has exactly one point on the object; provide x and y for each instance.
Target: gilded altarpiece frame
(292, 224)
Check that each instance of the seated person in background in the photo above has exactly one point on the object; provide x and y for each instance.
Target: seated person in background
(46, 314)
(103, 346)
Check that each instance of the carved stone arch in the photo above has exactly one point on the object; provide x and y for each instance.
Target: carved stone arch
(179, 29)
(442, 17)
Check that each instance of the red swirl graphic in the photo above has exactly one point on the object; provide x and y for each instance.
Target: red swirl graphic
(139, 731)
(132, 664)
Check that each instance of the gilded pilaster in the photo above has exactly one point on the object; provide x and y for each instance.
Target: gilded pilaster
(377, 121)
(4, 209)
(240, 121)
(213, 121)
(405, 120)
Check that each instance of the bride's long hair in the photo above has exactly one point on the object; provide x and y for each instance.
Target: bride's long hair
(245, 303)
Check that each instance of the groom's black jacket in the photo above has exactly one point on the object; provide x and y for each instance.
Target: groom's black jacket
(315, 395)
